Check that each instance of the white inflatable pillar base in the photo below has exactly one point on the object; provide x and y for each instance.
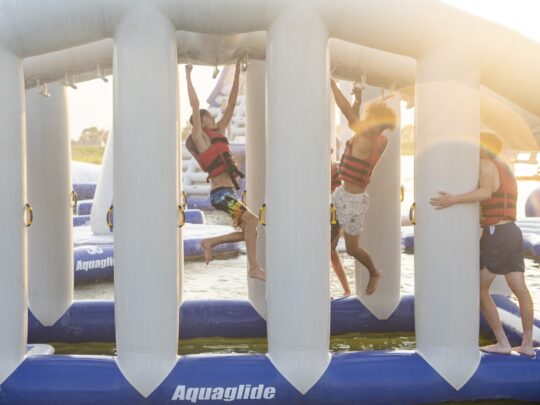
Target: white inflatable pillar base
(449, 364)
(303, 369)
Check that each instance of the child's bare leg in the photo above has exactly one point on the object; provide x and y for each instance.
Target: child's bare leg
(362, 255)
(489, 310)
(516, 282)
(209, 244)
(248, 223)
(340, 271)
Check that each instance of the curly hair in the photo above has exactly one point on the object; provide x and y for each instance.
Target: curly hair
(379, 113)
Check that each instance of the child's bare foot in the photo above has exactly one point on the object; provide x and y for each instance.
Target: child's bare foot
(208, 250)
(496, 348)
(257, 273)
(526, 350)
(346, 294)
(373, 283)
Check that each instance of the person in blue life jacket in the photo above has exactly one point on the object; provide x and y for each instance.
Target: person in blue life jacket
(211, 150)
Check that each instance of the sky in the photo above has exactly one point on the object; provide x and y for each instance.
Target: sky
(91, 104)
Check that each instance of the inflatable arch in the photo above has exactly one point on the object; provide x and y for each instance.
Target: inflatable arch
(447, 58)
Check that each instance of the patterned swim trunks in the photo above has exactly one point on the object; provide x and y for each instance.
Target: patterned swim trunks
(225, 199)
(350, 210)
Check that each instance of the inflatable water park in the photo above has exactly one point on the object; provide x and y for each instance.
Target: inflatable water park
(462, 73)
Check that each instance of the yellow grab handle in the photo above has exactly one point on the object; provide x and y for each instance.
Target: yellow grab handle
(412, 214)
(28, 215)
(184, 200)
(262, 215)
(333, 219)
(402, 190)
(74, 199)
(181, 217)
(109, 217)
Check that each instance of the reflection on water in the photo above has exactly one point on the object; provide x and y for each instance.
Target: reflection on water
(218, 345)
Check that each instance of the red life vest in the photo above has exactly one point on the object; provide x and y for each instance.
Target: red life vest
(217, 158)
(502, 204)
(334, 176)
(359, 171)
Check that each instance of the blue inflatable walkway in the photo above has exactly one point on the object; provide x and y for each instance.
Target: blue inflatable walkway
(94, 254)
(530, 228)
(375, 377)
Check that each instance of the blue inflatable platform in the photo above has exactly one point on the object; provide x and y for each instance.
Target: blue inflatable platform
(530, 230)
(94, 254)
(374, 377)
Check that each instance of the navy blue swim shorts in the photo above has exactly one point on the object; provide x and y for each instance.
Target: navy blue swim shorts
(501, 249)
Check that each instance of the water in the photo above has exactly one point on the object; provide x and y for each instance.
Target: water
(217, 345)
(227, 279)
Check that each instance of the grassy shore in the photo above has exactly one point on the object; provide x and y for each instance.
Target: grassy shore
(88, 154)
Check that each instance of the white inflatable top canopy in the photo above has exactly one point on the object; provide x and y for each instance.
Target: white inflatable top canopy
(71, 39)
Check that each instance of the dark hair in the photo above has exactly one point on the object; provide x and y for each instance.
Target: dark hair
(202, 111)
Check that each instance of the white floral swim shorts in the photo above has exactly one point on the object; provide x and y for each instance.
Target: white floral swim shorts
(350, 210)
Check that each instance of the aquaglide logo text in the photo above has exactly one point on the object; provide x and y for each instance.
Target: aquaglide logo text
(227, 394)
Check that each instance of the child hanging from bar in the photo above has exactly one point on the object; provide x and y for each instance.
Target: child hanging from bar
(362, 153)
(335, 231)
(211, 149)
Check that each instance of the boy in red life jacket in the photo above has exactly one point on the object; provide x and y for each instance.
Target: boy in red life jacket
(501, 245)
(361, 155)
(211, 149)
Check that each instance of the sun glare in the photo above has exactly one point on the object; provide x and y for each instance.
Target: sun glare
(519, 15)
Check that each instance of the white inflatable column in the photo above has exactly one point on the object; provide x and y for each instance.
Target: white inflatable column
(381, 236)
(13, 235)
(298, 196)
(146, 197)
(333, 132)
(446, 241)
(344, 131)
(256, 168)
(104, 191)
(50, 241)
